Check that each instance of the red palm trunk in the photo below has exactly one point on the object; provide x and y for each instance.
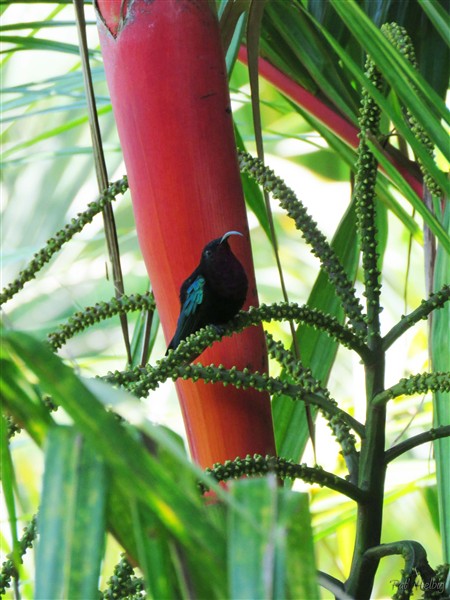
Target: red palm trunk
(167, 80)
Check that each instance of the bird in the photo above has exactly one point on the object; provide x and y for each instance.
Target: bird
(213, 293)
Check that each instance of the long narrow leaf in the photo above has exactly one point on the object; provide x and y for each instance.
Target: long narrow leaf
(296, 31)
(349, 156)
(71, 519)
(411, 196)
(437, 15)
(440, 354)
(270, 549)
(39, 25)
(34, 43)
(300, 564)
(252, 542)
(397, 71)
(394, 116)
(174, 507)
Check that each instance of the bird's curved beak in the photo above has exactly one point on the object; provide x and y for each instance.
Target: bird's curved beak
(227, 235)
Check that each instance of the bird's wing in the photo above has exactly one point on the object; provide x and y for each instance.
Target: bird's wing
(189, 319)
(194, 296)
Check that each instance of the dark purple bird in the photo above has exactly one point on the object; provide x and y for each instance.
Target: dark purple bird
(214, 292)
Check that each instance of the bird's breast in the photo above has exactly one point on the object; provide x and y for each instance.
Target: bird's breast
(229, 281)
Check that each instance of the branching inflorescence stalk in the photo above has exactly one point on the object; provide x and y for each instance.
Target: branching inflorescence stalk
(8, 570)
(371, 466)
(94, 314)
(416, 440)
(400, 39)
(313, 236)
(434, 302)
(141, 380)
(304, 377)
(421, 383)
(285, 469)
(366, 175)
(55, 243)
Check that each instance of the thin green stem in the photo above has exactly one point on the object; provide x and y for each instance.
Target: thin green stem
(63, 236)
(141, 381)
(371, 467)
(285, 469)
(94, 314)
(434, 302)
(416, 561)
(112, 241)
(371, 480)
(421, 383)
(416, 440)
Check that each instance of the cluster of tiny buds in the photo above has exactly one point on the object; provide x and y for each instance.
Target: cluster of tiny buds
(258, 465)
(320, 247)
(8, 569)
(421, 383)
(55, 243)
(400, 39)
(94, 314)
(366, 175)
(124, 583)
(424, 382)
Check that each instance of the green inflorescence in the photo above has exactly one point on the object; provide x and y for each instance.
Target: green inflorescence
(436, 587)
(421, 383)
(313, 236)
(400, 39)
(365, 198)
(8, 570)
(281, 311)
(435, 301)
(123, 583)
(140, 381)
(258, 465)
(304, 377)
(94, 314)
(11, 427)
(55, 243)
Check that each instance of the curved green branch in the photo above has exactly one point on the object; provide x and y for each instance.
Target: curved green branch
(415, 558)
(285, 469)
(94, 314)
(282, 311)
(434, 302)
(8, 570)
(313, 236)
(140, 381)
(400, 39)
(55, 243)
(304, 377)
(416, 384)
(416, 440)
